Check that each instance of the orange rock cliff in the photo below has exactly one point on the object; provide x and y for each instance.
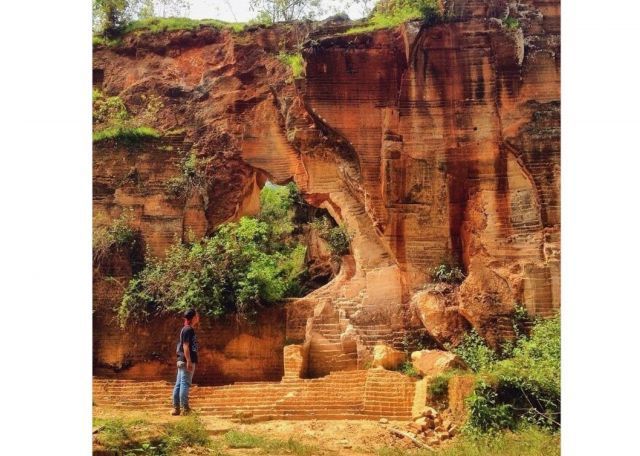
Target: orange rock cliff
(427, 141)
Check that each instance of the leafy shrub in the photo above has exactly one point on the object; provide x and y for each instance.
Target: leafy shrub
(530, 379)
(448, 273)
(118, 234)
(407, 369)
(390, 13)
(111, 119)
(511, 23)
(108, 109)
(438, 387)
(475, 353)
(337, 237)
(524, 387)
(191, 177)
(486, 413)
(521, 320)
(242, 266)
(294, 61)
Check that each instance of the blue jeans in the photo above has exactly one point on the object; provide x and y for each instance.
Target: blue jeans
(181, 390)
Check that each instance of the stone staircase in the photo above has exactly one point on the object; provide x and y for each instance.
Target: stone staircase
(326, 351)
(359, 394)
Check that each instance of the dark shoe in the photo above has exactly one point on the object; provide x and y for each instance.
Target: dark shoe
(186, 411)
(175, 411)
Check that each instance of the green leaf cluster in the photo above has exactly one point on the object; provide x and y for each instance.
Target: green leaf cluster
(447, 272)
(242, 266)
(338, 237)
(524, 387)
(475, 353)
(118, 234)
(111, 119)
(511, 23)
(294, 61)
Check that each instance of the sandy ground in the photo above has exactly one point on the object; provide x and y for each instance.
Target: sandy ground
(348, 437)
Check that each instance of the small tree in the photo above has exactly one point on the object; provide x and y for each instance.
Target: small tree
(110, 15)
(284, 10)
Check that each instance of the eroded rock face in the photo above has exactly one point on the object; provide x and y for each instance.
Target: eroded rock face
(433, 362)
(428, 142)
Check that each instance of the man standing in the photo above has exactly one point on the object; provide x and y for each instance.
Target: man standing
(187, 352)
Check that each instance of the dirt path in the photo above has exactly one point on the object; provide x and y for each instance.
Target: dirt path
(344, 438)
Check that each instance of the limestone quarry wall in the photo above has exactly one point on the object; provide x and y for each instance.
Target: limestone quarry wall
(429, 142)
(230, 350)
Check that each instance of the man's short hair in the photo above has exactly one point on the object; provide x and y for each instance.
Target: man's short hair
(189, 314)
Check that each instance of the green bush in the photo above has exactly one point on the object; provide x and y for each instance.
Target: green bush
(242, 266)
(407, 369)
(530, 379)
(111, 120)
(511, 23)
(486, 413)
(108, 110)
(523, 388)
(117, 235)
(192, 177)
(475, 353)
(448, 273)
(337, 237)
(294, 61)
(438, 387)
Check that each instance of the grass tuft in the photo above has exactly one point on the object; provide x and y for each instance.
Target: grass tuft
(294, 61)
(237, 439)
(125, 134)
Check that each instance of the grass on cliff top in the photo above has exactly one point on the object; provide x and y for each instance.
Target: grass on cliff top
(125, 134)
(99, 40)
(397, 13)
(168, 24)
(165, 24)
(383, 21)
(530, 441)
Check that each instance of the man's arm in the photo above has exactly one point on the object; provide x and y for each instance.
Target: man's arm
(187, 354)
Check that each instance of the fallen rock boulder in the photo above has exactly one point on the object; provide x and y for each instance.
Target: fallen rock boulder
(434, 362)
(387, 357)
(437, 309)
